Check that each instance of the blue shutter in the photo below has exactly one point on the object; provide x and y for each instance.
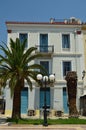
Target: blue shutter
(24, 101)
(65, 41)
(65, 101)
(42, 97)
(44, 42)
(66, 67)
(48, 97)
(22, 37)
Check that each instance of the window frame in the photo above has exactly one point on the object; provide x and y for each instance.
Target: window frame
(21, 40)
(66, 68)
(43, 43)
(66, 43)
(41, 63)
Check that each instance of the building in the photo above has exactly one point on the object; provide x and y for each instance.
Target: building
(84, 43)
(61, 43)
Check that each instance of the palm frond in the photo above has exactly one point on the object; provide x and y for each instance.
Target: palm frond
(39, 67)
(33, 57)
(15, 65)
(27, 54)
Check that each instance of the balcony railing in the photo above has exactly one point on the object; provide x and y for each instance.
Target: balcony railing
(44, 49)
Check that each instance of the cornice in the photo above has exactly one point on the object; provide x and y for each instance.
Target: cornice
(59, 54)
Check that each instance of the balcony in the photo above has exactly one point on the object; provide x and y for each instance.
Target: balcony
(45, 49)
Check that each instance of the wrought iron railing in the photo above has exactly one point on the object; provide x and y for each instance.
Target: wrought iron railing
(45, 49)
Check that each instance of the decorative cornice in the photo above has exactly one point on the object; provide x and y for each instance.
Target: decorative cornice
(59, 54)
(53, 23)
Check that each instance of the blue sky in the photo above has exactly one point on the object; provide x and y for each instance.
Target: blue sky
(38, 10)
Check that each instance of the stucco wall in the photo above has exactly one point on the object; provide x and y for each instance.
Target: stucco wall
(74, 54)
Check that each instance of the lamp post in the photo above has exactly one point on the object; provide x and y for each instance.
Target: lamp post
(83, 76)
(45, 79)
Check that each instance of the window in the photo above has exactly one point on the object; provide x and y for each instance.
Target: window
(44, 42)
(66, 67)
(65, 41)
(45, 64)
(22, 37)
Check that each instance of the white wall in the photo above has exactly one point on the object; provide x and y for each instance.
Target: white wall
(8, 100)
(31, 99)
(58, 98)
(75, 55)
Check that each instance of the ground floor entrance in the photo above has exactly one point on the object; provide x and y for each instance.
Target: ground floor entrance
(33, 101)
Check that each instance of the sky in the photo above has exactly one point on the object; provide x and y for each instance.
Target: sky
(38, 11)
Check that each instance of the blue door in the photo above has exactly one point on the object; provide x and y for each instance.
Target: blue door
(65, 101)
(44, 42)
(24, 101)
(42, 97)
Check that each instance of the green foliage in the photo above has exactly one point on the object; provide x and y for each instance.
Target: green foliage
(17, 64)
(50, 121)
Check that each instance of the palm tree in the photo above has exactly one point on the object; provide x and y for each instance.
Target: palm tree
(1, 83)
(16, 67)
(71, 79)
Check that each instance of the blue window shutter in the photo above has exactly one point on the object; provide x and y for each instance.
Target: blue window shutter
(65, 101)
(65, 41)
(44, 42)
(24, 100)
(22, 37)
(42, 97)
(66, 67)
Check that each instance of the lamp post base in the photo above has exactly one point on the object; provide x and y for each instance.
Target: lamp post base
(45, 124)
(45, 116)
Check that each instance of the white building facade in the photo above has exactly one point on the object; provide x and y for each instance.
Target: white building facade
(62, 46)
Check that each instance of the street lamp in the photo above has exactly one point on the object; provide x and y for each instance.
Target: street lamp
(83, 76)
(45, 79)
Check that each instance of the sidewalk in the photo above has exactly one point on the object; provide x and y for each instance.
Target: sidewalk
(40, 127)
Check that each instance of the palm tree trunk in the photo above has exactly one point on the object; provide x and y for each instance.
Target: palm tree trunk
(16, 113)
(71, 79)
(16, 103)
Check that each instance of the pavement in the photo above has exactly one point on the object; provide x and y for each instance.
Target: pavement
(40, 127)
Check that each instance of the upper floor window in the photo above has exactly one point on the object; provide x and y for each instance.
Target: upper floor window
(65, 41)
(44, 42)
(22, 37)
(66, 67)
(45, 64)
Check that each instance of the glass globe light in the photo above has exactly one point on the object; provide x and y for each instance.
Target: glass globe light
(45, 78)
(39, 77)
(52, 77)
